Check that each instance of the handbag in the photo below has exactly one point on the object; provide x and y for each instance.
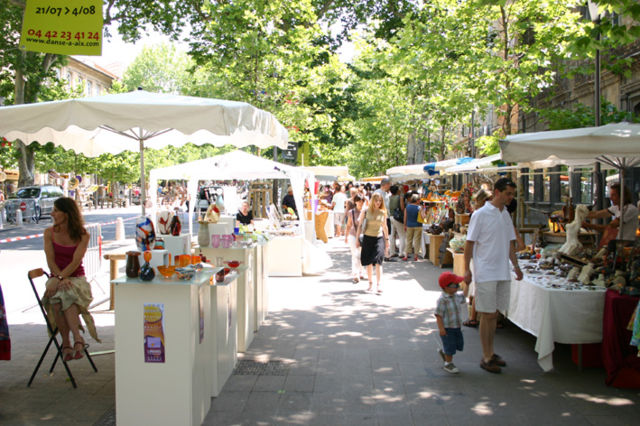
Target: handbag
(362, 228)
(398, 215)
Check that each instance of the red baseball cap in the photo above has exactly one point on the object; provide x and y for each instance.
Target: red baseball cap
(447, 278)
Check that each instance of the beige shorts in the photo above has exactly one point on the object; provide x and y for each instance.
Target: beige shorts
(492, 296)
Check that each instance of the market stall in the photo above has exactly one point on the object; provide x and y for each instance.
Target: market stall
(576, 266)
(548, 308)
(243, 166)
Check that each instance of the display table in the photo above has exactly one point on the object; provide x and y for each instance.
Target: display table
(435, 241)
(619, 357)
(555, 315)
(285, 256)
(246, 289)
(458, 261)
(174, 391)
(224, 320)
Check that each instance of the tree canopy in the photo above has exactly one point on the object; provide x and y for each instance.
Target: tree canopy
(420, 72)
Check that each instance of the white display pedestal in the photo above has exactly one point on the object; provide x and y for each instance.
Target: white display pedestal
(224, 320)
(176, 245)
(285, 256)
(260, 282)
(174, 392)
(309, 230)
(246, 288)
(220, 228)
(246, 307)
(159, 257)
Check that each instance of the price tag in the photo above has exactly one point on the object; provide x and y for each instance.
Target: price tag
(65, 27)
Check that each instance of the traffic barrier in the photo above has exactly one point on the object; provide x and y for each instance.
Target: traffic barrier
(18, 218)
(92, 260)
(28, 237)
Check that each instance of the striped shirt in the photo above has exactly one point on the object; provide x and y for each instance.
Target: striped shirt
(450, 308)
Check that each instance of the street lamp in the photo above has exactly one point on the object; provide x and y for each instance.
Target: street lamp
(594, 15)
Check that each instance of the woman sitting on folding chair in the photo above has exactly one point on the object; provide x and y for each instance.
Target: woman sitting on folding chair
(68, 292)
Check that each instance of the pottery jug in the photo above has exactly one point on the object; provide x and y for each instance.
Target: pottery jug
(133, 264)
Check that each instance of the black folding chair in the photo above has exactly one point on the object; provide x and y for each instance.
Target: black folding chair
(33, 274)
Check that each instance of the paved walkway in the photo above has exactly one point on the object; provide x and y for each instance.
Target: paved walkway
(330, 354)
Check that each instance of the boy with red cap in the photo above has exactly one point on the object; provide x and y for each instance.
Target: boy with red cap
(449, 317)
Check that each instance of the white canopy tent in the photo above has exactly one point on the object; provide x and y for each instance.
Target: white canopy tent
(615, 144)
(408, 172)
(233, 165)
(135, 120)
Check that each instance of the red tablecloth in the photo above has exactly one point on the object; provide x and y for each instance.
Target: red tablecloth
(5, 342)
(619, 357)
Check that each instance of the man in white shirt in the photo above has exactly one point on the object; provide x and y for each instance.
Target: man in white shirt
(339, 201)
(491, 244)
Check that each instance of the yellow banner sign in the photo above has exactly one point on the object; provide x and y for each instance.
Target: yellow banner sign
(65, 27)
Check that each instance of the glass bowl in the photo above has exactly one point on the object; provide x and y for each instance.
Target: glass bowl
(166, 271)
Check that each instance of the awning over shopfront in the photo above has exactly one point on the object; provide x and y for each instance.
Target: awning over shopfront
(489, 163)
(437, 167)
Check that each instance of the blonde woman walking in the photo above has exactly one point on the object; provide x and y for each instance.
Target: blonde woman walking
(375, 242)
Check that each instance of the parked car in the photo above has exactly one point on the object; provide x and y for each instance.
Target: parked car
(34, 201)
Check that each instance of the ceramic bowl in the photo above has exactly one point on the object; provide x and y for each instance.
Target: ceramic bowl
(167, 271)
(185, 273)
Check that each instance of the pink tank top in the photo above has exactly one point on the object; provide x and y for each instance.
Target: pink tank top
(64, 256)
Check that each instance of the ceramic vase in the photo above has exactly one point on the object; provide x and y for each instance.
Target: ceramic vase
(163, 219)
(145, 233)
(176, 226)
(203, 234)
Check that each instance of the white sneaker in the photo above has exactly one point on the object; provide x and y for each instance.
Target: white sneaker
(451, 368)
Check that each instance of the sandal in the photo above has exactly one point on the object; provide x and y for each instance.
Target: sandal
(67, 353)
(379, 291)
(356, 280)
(369, 289)
(471, 323)
(77, 353)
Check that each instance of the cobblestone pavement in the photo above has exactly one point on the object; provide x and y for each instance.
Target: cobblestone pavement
(329, 353)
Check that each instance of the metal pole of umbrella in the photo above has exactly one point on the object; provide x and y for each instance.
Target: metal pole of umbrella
(143, 189)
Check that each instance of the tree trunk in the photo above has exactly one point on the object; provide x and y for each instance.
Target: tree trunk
(443, 145)
(26, 162)
(411, 148)
(420, 148)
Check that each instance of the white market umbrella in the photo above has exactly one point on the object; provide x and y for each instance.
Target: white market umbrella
(135, 120)
(615, 144)
(407, 172)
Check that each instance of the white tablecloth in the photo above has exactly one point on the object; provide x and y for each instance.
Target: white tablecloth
(556, 315)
